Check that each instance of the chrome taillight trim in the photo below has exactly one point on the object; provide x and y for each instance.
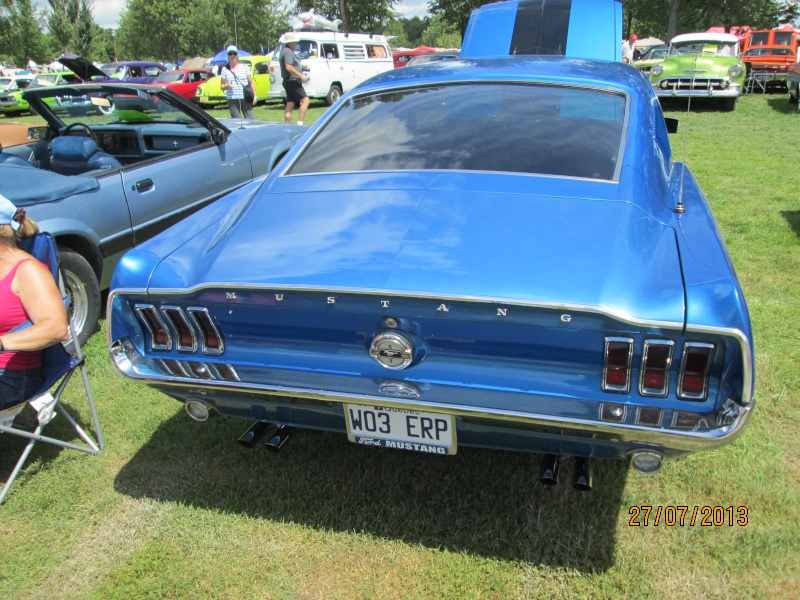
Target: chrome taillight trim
(194, 311)
(686, 348)
(664, 391)
(612, 387)
(173, 367)
(142, 310)
(234, 376)
(172, 313)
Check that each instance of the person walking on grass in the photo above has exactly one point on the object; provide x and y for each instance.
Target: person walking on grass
(235, 75)
(293, 78)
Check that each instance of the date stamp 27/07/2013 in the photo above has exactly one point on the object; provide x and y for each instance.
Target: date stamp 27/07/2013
(671, 516)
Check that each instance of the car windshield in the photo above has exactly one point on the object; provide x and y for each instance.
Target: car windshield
(107, 107)
(542, 129)
(658, 53)
(169, 77)
(704, 47)
(44, 80)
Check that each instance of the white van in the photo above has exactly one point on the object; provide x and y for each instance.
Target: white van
(334, 62)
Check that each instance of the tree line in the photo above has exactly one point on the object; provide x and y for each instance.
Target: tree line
(170, 30)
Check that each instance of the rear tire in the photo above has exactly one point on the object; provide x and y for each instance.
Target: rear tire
(84, 291)
(333, 94)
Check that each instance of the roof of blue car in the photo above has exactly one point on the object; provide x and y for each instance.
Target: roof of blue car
(531, 68)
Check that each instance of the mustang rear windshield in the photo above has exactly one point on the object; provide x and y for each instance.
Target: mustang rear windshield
(517, 128)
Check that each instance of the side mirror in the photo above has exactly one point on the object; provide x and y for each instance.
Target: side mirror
(672, 124)
(218, 136)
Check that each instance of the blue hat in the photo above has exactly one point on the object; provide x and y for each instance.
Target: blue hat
(7, 212)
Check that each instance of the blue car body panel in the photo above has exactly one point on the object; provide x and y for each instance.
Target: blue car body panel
(589, 29)
(506, 285)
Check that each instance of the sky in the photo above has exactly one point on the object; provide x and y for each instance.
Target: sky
(106, 12)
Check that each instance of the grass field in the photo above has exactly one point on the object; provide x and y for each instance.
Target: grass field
(176, 509)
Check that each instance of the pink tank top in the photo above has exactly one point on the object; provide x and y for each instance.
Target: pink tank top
(12, 313)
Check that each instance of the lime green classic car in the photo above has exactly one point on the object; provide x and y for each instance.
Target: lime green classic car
(12, 103)
(701, 65)
(210, 94)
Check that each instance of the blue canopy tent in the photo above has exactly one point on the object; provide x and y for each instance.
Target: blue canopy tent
(221, 57)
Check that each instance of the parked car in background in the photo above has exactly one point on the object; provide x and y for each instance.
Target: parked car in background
(210, 93)
(13, 103)
(770, 54)
(499, 253)
(13, 83)
(136, 71)
(333, 62)
(104, 184)
(184, 82)
(651, 56)
(793, 84)
(701, 65)
(589, 29)
(434, 57)
(401, 57)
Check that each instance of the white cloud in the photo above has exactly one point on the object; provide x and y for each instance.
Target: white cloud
(412, 8)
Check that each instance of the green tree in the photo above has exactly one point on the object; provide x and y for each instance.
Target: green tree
(455, 12)
(441, 34)
(24, 38)
(396, 34)
(414, 28)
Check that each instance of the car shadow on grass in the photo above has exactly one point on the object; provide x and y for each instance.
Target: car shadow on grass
(481, 502)
(793, 218)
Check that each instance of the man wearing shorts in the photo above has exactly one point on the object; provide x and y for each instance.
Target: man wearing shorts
(293, 78)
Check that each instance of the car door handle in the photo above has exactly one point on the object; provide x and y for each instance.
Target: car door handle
(143, 185)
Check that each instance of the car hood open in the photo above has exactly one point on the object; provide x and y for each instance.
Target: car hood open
(80, 66)
(602, 255)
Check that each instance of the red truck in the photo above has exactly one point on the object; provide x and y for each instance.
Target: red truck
(771, 53)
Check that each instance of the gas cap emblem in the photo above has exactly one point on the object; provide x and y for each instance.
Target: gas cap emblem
(392, 350)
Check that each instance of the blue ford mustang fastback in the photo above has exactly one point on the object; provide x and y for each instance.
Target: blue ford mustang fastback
(498, 253)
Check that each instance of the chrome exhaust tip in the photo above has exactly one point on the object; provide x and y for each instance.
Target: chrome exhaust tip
(276, 436)
(646, 462)
(252, 436)
(548, 470)
(199, 410)
(582, 475)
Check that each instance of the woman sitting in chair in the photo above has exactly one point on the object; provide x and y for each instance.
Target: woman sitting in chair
(28, 292)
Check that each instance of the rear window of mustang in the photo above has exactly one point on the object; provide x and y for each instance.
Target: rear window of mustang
(517, 128)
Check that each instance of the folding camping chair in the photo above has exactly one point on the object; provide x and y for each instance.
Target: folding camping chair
(58, 366)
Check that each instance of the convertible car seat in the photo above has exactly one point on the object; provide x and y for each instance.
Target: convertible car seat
(12, 159)
(72, 155)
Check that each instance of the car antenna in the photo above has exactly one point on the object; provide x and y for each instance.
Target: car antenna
(680, 208)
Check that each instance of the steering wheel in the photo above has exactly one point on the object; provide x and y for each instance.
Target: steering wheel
(72, 126)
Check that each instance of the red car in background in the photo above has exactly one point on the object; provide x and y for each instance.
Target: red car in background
(184, 81)
(401, 57)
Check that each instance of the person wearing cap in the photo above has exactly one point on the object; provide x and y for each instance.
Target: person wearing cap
(235, 75)
(628, 49)
(293, 79)
(28, 292)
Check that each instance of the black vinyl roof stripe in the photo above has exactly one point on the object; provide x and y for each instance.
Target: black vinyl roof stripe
(541, 27)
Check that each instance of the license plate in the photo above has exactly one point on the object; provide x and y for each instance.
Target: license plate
(399, 428)
(203, 98)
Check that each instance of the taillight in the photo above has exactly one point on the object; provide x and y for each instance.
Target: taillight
(695, 367)
(656, 362)
(212, 340)
(160, 337)
(617, 364)
(187, 340)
